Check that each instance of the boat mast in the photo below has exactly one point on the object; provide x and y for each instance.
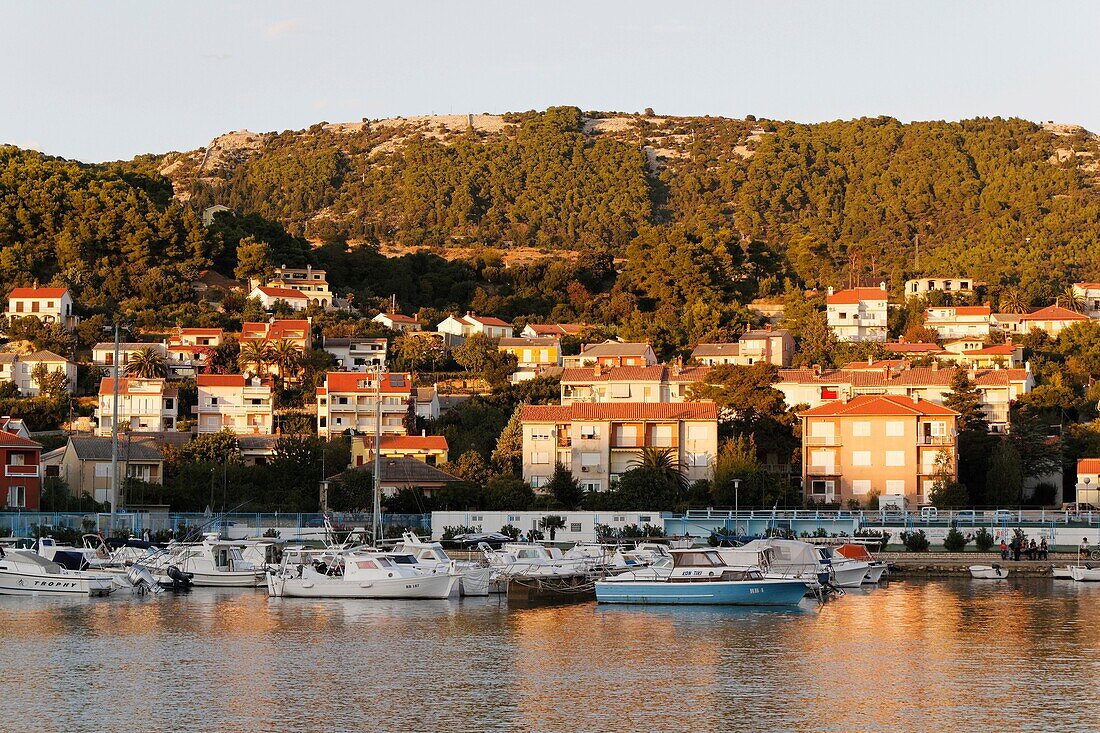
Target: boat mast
(114, 438)
(376, 519)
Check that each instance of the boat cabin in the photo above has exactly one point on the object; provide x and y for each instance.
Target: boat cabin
(707, 565)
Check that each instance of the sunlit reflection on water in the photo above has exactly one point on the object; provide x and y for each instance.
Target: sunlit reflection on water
(991, 656)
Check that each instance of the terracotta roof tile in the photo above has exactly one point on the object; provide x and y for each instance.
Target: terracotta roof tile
(37, 293)
(879, 405)
(855, 295)
(274, 292)
(359, 382)
(620, 411)
(1054, 313)
(1088, 465)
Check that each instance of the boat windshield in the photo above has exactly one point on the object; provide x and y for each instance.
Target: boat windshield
(708, 559)
(403, 559)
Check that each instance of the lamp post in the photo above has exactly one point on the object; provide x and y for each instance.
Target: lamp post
(736, 496)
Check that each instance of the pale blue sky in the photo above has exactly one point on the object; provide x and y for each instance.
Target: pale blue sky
(108, 80)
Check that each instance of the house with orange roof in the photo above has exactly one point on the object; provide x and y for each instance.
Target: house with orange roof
(753, 346)
(350, 401)
(144, 406)
(310, 281)
(612, 354)
(1052, 320)
(456, 329)
(966, 352)
(295, 331)
(189, 349)
(857, 314)
(958, 321)
(876, 445)
(21, 482)
(1088, 481)
(431, 449)
(598, 442)
(233, 402)
(397, 322)
(49, 305)
(1089, 293)
(920, 287)
(269, 295)
(914, 350)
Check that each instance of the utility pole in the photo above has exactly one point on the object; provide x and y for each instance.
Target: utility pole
(114, 438)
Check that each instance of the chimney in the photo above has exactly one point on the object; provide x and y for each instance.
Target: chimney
(935, 365)
(916, 398)
(882, 285)
(886, 372)
(817, 370)
(971, 373)
(830, 291)
(1027, 366)
(870, 360)
(423, 433)
(598, 371)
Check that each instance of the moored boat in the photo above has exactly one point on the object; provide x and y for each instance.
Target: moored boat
(432, 557)
(988, 572)
(24, 572)
(354, 574)
(1084, 573)
(701, 577)
(860, 553)
(212, 562)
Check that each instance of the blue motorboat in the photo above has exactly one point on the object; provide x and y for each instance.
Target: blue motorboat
(701, 577)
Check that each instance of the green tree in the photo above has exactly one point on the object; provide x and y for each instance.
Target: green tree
(1005, 481)
(551, 523)
(147, 363)
(51, 382)
(663, 462)
(565, 488)
(508, 453)
(286, 357)
(220, 447)
(974, 442)
(946, 493)
(418, 350)
(254, 260)
(480, 356)
(254, 357)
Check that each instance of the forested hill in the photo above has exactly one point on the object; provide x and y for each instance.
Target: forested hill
(998, 199)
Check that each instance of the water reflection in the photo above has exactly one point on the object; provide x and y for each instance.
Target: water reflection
(908, 656)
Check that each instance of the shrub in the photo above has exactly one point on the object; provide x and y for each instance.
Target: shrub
(510, 530)
(983, 540)
(915, 541)
(882, 535)
(955, 541)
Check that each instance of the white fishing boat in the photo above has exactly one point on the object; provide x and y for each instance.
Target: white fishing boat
(25, 572)
(354, 574)
(860, 553)
(790, 559)
(210, 563)
(989, 572)
(431, 556)
(846, 573)
(1084, 573)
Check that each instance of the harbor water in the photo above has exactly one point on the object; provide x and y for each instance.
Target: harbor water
(1021, 654)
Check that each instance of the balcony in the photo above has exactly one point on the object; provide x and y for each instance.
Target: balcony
(822, 471)
(936, 440)
(25, 471)
(822, 440)
(627, 443)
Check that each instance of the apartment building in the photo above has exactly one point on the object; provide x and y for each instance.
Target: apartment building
(956, 322)
(612, 354)
(965, 352)
(430, 449)
(103, 354)
(397, 322)
(1088, 481)
(763, 345)
(857, 314)
(269, 295)
(189, 349)
(600, 442)
(998, 387)
(21, 483)
(914, 350)
(1089, 293)
(49, 305)
(19, 369)
(551, 330)
(357, 354)
(921, 287)
(144, 405)
(85, 464)
(233, 402)
(656, 383)
(348, 402)
(294, 331)
(885, 445)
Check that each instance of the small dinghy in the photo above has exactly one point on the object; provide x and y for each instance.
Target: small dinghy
(1085, 573)
(1064, 572)
(988, 572)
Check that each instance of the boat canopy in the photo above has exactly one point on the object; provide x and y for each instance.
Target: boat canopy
(787, 555)
(854, 552)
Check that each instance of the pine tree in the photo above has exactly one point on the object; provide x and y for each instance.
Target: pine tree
(1005, 480)
(973, 434)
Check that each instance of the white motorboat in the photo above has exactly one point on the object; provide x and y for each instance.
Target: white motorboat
(212, 562)
(989, 572)
(1084, 573)
(25, 572)
(1063, 572)
(432, 557)
(519, 560)
(354, 574)
(846, 573)
(860, 553)
(789, 559)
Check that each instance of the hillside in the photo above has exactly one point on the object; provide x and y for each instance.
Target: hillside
(836, 200)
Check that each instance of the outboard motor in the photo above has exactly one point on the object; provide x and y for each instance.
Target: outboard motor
(179, 580)
(142, 579)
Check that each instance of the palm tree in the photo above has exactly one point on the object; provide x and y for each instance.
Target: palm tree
(1071, 298)
(254, 356)
(551, 524)
(285, 356)
(147, 363)
(1013, 302)
(662, 461)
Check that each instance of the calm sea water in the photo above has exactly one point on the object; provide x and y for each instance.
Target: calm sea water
(912, 656)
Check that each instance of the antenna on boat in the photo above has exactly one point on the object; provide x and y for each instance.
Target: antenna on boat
(376, 517)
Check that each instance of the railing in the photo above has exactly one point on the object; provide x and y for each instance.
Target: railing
(14, 470)
(936, 440)
(822, 440)
(822, 471)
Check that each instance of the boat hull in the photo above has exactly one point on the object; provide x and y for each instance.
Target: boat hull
(27, 584)
(475, 582)
(1084, 575)
(874, 574)
(850, 574)
(1061, 573)
(228, 579)
(985, 572)
(434, 587)
(725, 593)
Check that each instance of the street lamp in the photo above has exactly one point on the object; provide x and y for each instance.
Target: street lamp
(736, 496)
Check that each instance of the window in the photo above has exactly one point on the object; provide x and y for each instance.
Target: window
(590, 432)
(895, 458)
(590, 485)
(513, 518)
(620, 390)
(590, 459)
(821, 488)
(861, 458)
(574, 526)
(861, 487)
(861, 429)
(698, 432)
(540, 457)
(828, 393)
(213, 401)
(539, 481)
(644, 518)
(540, 433)
(895, 487)
(103, 470)
(17, 497)
(895, 429)
(619, 518)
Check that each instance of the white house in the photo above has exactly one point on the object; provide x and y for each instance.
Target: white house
(269, 295)
(18, 368)
(397, 322)
(956, 322)
(233, 402)
(357, 354)
(144, 405)
(460, 328)
(103, 354)
(350, 400)
(49, 305)
(858, 314)
(922, 286)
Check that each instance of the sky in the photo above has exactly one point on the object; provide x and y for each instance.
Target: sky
(110, 80)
